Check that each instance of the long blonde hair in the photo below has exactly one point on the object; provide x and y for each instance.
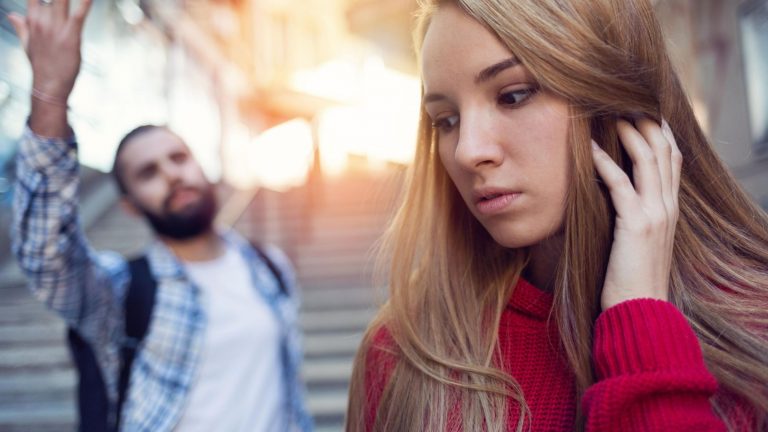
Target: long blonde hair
(449, 281)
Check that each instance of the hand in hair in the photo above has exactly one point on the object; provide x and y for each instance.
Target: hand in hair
(646, 212)
(51, 38)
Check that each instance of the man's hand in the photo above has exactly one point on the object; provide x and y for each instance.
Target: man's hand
(51, 38)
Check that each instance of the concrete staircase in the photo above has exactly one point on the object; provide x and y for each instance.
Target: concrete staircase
(327, 228)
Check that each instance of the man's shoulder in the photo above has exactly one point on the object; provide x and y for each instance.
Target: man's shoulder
(263, 250)
(268, 254)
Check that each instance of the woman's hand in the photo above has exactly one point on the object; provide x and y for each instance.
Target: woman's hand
(646, 212)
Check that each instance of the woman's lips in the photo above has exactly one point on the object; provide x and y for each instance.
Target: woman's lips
(496, 203)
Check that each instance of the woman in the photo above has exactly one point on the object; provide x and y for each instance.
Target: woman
(570, 252)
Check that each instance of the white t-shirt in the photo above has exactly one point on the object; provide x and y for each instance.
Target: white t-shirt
(238, 384)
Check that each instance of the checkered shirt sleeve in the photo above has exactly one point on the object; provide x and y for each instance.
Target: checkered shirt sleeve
(82, 286)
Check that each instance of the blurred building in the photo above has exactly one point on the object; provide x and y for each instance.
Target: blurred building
(338, 77)
(265, 90)
(721, 52)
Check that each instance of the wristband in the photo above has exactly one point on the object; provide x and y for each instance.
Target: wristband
(42, 97)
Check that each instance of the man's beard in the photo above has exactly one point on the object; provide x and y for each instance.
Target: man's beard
(189, 222)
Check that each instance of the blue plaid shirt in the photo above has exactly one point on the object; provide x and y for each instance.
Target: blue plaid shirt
(87, 289)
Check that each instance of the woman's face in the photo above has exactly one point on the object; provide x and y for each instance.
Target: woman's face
(502, 140)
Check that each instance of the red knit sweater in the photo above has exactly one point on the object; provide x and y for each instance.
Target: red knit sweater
(650, 373)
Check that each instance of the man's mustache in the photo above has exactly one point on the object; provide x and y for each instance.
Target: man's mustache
(177, 190)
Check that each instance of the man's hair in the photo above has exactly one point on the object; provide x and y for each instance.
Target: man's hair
(117, 173)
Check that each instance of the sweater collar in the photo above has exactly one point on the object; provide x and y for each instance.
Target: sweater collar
(530, 301)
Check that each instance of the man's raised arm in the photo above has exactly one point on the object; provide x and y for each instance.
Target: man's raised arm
(47, 240)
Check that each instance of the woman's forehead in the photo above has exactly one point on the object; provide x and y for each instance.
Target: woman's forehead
(458, 47)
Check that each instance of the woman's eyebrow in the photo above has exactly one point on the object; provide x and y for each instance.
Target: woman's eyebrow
(484, 75)
(433, 97)
(493, 70)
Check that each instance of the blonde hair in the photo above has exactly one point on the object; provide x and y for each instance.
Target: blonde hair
(449, 281)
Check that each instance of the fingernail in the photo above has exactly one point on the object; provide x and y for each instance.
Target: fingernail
(595, 146)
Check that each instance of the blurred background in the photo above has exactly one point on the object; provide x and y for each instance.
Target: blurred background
(304, 112)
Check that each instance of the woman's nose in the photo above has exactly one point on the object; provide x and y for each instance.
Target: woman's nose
(478, 144)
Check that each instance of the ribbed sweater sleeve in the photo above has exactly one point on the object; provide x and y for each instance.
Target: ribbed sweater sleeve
(650, 372)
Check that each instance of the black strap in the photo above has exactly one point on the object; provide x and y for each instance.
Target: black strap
(139, 303)
(272, 267)
(93, 406)
(92, 402)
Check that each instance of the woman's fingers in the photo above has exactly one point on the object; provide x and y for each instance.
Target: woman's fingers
(646, 212)
(622, 192)
(657, 141)
(645, 163)
(656, 163)
(676, 158)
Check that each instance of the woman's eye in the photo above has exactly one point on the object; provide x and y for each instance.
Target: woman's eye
(516, 97)
(446, 124)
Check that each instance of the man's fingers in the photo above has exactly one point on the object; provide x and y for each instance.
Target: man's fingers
(43, 12)
(32, 6)
(60, 9)
(19, 24)
(82, 12)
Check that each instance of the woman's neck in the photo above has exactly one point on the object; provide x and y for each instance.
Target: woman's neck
(542, 267)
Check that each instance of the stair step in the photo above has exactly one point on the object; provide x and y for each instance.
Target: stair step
(34, 333)
(335, 321)
(35, 357)
(32, 414)
(341, 298)
(328, 409)
(336, 345)
(52, 380)
(327, 371)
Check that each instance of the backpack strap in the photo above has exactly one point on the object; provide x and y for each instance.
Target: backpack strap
(138, 306)
(93, 405)
(272, 267)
